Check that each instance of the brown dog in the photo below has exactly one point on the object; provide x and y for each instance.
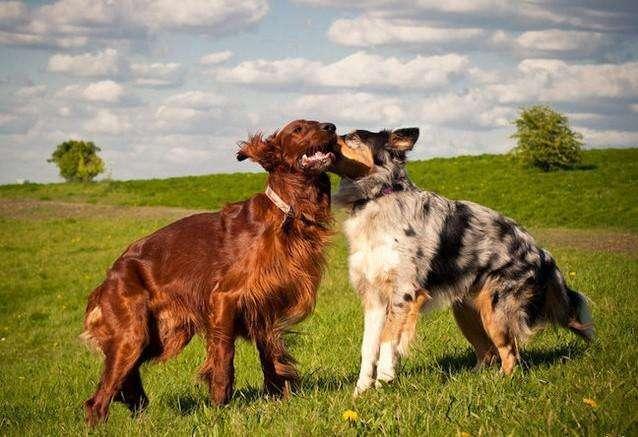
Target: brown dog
(250, 270)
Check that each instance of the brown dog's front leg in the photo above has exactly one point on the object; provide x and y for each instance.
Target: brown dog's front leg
(280, 375)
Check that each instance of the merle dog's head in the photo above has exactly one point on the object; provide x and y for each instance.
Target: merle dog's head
(378, 162)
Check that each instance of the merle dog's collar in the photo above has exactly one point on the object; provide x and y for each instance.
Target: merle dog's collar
(385, 190)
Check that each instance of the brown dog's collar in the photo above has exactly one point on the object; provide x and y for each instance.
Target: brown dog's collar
(289, 212)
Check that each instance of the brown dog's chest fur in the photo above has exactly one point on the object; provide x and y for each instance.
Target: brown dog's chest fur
(244, 250)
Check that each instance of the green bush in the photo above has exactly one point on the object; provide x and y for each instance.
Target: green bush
(545, 140)
(77, 160)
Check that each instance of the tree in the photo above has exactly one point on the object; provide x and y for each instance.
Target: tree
(545, 140)
(77, 160)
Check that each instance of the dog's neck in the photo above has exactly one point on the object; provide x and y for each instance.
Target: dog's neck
(307, 195)
(356, 193)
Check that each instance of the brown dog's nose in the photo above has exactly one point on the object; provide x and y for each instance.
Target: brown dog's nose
(328, 127)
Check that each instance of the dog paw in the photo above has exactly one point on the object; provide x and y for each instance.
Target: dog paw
(384, 379)
(362, 386)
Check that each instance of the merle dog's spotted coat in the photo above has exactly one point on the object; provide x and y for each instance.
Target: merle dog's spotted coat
(409, 247)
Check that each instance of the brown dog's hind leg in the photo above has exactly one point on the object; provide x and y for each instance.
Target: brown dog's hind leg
(469, 321)
(218, 369)
(121, 356)
(132, 392)
(121, 330)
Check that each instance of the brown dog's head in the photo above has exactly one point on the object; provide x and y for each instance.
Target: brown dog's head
(300, 146)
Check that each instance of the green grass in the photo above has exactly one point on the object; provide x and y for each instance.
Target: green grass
(48, 266)
(596, 194)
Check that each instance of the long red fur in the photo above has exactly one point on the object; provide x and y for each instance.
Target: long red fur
(241, 271)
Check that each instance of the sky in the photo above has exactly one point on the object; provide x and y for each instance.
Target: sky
(168, 88)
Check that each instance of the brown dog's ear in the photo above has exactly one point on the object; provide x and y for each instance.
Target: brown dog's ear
(404, 139)
(259, 150)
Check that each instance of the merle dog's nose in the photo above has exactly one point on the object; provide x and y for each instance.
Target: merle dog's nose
(328, 127)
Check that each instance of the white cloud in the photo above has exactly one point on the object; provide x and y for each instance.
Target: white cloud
(349, 108)
(216, 57)
(366, 31)
(77, 23)
(362, 69)
(195, 99)
(556, 40)
(554, 80)
(469, 109)
(103, 63)
(104, 91)
(157, 73)
(493, 13)
(266, 72)
(31, 91)
(607, 137)
(108, 123)
(12, 11)
(359, 70)
(185, 155)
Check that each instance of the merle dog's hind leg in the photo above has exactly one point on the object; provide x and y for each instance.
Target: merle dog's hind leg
(469, 321)
(497, 330)
(408, 330)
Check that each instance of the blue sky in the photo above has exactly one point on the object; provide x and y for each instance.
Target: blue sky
(168, 88)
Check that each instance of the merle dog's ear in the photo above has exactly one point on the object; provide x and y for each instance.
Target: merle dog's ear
(404, 139)
(262, 151)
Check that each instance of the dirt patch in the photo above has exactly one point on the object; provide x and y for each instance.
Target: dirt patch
(596, 240)
(31, 209)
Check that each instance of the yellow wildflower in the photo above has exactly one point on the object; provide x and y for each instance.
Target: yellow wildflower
(592, 403)
(350, 416)
(465, 434)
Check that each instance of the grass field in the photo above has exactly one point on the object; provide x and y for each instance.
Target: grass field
(57, 240)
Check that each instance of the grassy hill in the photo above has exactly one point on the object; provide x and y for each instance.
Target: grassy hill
(602, 192)
(53, 253)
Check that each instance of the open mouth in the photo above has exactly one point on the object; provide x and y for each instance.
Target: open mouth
(317, 160)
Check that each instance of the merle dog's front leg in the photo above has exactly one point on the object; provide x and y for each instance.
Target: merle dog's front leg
(374, 320)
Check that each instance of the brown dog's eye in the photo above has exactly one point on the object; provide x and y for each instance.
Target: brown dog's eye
(297, 130)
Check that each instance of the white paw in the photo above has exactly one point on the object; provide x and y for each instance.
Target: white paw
(384, 378)
(362, 385)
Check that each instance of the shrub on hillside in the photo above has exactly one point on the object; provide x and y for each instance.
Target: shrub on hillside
(78, 161)
(545, 140)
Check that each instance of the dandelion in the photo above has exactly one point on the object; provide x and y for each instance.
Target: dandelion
(572, 274)
(592, 403)
(464, 434)
(350, 416)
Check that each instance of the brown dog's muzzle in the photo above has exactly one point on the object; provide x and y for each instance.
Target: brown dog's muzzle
(354, 158)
